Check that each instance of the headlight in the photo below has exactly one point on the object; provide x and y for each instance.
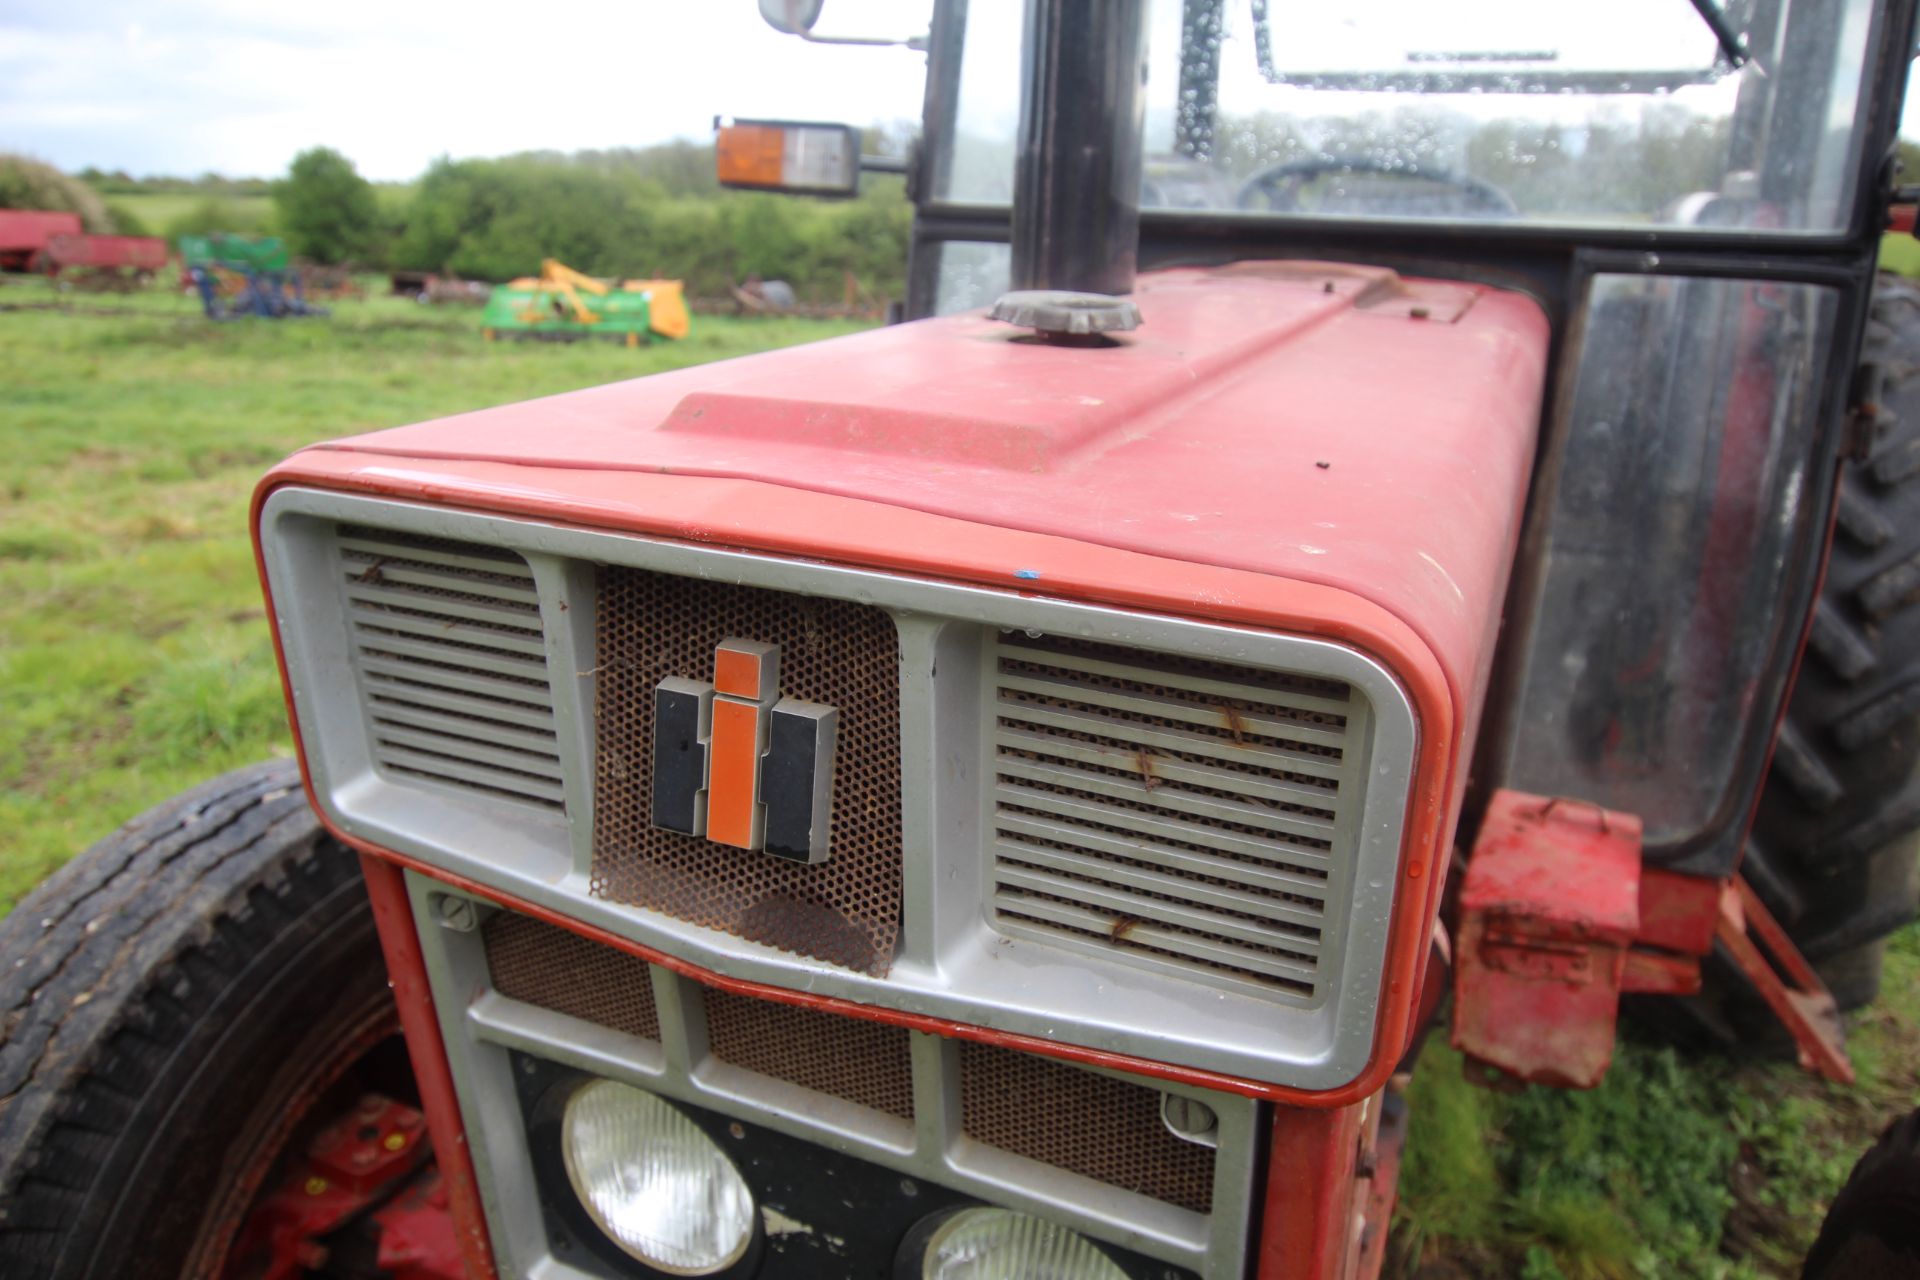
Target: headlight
(658, 1186)
(998, 1244)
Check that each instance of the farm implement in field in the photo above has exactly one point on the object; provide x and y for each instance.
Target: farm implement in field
(550, 307)
(244, 276)
(53, 243)
(117, 263)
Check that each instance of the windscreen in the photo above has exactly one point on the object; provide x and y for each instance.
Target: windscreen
(1629, 113)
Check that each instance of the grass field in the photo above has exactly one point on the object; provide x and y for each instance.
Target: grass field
(156, 209)
(134, 658)
(134, 662)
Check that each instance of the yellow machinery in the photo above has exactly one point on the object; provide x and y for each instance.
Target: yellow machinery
(550, 305)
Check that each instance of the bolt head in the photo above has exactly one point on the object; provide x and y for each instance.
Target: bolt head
(458, 915)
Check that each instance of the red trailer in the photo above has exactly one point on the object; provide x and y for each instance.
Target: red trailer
(26, 233)
(117, 263)
(136, 253)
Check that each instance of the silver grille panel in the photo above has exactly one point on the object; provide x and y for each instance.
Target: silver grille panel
(451, 657)
(1168, 810)
(1038, 855)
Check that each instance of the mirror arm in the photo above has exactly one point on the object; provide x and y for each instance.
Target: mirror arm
(917, 43)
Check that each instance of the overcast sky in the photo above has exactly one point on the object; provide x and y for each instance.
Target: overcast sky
(237, 87)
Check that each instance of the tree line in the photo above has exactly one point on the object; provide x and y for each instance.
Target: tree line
(646, 212)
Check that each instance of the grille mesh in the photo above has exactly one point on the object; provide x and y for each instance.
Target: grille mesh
(1093, 1125)
(1172, 810)
(1102, 1128)
(451, 656)
(845, 911)
(556, 969)
(867, 1063)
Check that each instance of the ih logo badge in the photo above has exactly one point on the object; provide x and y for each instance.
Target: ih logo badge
(735, 762)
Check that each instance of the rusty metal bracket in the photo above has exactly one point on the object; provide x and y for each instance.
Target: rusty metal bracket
(1784, 980)
(1558, 919)
(1548, 910)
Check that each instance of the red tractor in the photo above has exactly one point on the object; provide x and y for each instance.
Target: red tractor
(1370, 503)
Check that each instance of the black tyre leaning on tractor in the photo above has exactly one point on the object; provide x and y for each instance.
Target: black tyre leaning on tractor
(182, 997)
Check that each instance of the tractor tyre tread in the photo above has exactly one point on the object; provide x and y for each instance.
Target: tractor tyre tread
(119, 966)
(1838, 828)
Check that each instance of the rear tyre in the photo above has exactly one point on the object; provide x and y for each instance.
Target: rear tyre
(1838, 829)
(175, 1000)
(1872, 1230)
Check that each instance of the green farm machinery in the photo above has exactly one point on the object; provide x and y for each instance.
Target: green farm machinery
(551, 307)
(245, 276)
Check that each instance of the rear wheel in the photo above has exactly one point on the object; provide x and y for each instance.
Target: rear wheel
(1838, 829)
(178, 1001)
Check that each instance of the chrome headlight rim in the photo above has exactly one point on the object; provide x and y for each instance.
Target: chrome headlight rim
(917, 1248)
(570, 1224)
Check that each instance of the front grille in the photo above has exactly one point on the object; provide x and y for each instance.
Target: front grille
(452, 665)
(867, 1063)
(554, 968)
(1169, 810)
(1093, 1125)
(845, 911)
(1097, 1126)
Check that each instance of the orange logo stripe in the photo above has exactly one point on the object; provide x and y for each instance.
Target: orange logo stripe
(736, 673)
(734, 775)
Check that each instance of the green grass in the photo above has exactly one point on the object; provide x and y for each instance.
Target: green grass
(156, 209)
(134, 659)
(1900, 253)
(1698, 1167)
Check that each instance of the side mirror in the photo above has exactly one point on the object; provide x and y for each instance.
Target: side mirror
(780, 155)
(791, 17)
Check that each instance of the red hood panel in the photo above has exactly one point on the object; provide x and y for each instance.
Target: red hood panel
(1328, 424)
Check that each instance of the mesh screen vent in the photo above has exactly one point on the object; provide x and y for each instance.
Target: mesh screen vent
(452, 661)
(845, 911)
(553, 968)
(866, 1063)
(1175, 811)
(1093, 1125)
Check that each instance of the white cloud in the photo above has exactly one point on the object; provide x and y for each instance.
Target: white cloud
(184, 86)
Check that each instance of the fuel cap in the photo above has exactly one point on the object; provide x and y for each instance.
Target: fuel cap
(1054, 313)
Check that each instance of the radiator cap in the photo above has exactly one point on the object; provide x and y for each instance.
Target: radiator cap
(1056, 313)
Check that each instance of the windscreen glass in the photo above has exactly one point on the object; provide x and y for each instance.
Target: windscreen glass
(1681, 506)
(1631, 113)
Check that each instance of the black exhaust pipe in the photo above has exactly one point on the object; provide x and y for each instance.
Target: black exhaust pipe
(1076, 184)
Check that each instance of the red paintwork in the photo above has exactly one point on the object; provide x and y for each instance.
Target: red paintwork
(407, 974)
(1380, 1170)
(1555, 900)
(1198, 439)
(1179, 473)
(1309, 448)
(418, 1237)
(24, 233)
(146, 253)
(340, 1175)
(1658, 974)
(1310, 1227)
(1549, 907)
(1678, 913)
(1795, 993)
